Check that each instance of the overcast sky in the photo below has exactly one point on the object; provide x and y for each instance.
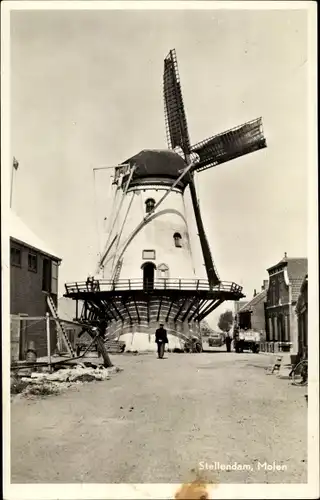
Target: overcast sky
(86, 90)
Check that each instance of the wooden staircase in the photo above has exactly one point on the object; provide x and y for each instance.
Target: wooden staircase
(61, 329)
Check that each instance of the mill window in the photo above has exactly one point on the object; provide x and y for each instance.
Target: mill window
(177, 240)
(15, 256)
(150, 203)
(148, 254)
(32, 262)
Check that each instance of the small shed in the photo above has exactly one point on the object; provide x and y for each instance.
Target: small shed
(34, 270)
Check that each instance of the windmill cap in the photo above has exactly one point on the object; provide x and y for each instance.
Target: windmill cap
(157, 163)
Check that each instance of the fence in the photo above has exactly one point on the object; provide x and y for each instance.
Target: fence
(40, 334)
(275, 347)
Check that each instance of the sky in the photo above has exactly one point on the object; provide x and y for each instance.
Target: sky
(86, 90)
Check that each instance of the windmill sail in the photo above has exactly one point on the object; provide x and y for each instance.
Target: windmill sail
(175, 117)
(178, 139)
(217, 149)
(234, 143)
(212, 274)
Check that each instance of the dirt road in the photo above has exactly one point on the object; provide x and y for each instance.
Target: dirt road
(164, 420)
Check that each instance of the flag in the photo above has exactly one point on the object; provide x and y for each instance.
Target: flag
(15, 163)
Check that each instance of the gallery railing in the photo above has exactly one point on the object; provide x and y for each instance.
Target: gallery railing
(103, 285)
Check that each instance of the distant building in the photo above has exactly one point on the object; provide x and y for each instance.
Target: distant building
(238, 305)
(285, 280)
(302, 315)
(33, 274)
(251, 315)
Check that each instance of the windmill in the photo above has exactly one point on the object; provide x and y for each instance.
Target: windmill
(147, 263)
(213, 151)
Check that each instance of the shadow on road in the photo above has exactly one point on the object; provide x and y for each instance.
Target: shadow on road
(214, 351)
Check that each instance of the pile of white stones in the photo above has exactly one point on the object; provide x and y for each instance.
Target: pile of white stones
(66, 377)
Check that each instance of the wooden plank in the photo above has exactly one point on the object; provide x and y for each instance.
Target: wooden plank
(15, 337)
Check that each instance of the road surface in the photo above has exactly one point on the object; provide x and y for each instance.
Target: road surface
(163, 421)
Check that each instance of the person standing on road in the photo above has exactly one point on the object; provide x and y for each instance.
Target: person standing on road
(161, 339)
(241, 341)
(228, 342)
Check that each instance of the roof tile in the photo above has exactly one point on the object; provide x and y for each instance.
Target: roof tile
(297, 268)
(253, 302)
(296, 287)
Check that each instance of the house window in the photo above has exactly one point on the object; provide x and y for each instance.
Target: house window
(15, 256)
(273, 293)
(149, 254)
(163, 271)
(275, 328)
(54, 278)
(286, 328)
(177, 240)
(150, 203)
(46, 275)
(32, 262)
(270, 329)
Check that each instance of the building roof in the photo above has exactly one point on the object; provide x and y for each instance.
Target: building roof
(21, 233)
(157, 163)
(239, 305)
(253, 302)
(297, 268)
(303, 295)
(296, 286)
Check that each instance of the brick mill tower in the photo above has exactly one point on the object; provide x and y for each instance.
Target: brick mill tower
(146, 273)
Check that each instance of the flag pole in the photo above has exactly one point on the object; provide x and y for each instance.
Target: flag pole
(15, 165)
(12, 173)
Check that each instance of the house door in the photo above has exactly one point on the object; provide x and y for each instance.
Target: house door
(148, 276)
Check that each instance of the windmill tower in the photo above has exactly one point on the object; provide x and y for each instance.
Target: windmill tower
(146, 273)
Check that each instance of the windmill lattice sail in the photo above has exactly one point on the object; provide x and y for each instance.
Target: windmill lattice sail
(175, 117)
(231, 144)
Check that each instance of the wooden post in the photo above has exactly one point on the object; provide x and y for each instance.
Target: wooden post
(23, 336)
(102, 349)
(104, 353)
(48, 339)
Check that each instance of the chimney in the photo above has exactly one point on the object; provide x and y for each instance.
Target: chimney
(285, 255)
(265, 285)
(254, 292)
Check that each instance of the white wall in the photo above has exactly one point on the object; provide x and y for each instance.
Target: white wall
(156, 235)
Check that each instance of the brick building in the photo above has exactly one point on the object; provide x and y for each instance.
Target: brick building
(33, 274)
(285, 280)
(251, 315)
(302, 315)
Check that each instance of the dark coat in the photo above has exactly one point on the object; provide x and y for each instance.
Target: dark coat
(161, 334)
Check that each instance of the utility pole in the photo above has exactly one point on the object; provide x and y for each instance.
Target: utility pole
(15, 165)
